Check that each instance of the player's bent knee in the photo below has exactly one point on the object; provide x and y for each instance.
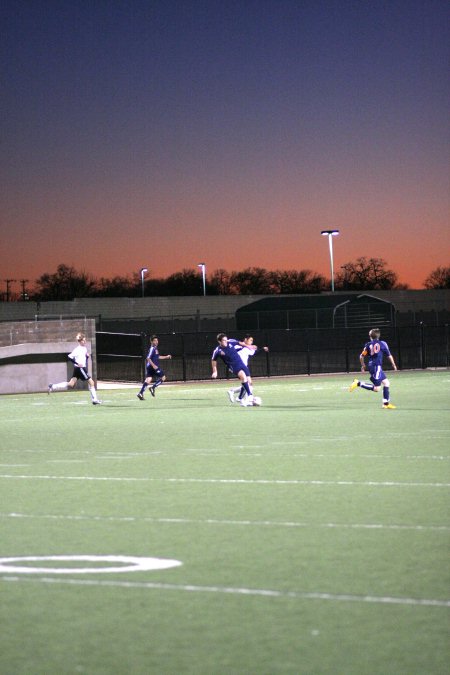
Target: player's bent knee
(385, 383)
(376, 387)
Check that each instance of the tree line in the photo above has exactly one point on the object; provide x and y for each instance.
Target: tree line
(363, 274)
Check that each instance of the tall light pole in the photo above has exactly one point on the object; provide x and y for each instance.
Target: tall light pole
(143, 271)
(203, 268)
(330, 234)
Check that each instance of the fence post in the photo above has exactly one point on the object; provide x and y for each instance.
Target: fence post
(308, 355)
(266, 344)
(423, 351)
(183, 357)
(144, 343)
(347, 358)
(447, 354)
(399, 349)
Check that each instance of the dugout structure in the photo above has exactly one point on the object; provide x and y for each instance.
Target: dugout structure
(316, 311)
(34, 353)
(121, 356)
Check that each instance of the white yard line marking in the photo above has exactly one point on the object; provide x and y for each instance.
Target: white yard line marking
(243, 523)
(228, 481)
(259, 592)
(126, 564)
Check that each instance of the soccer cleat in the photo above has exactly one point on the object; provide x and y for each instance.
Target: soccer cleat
(231, 396)
(140, 396)
(50, 389)
(152, 391)
(96, 402)
(354, 384)
(389, 405)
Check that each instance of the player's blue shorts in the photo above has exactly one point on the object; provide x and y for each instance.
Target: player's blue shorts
(154, 372)
(237, 367)
(377, 375)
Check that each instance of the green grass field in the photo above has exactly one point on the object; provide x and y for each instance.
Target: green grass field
(313, 531)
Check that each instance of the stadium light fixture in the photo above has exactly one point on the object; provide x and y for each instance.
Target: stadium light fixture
(143, 271)
(330, 234)
(203, 268)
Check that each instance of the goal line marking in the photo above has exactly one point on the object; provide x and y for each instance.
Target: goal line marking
(217, 521)
(228, 481)
(266, 593)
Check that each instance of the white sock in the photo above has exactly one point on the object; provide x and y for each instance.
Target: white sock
(93, 393)
(60, 386)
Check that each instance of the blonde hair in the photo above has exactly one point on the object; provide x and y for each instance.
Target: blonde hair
(80, 336)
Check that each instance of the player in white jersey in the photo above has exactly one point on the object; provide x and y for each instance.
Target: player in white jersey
(245, 352)
(79, 357)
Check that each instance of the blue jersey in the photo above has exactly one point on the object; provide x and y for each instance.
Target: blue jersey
(230, 356)
(153, 354)
(375, 350)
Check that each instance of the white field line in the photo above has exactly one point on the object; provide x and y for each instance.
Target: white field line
(216, 452)
(240, 523)
(264, 593)
(228, 481)
(111, 456)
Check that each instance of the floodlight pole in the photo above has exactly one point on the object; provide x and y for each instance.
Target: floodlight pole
(203, 268)
(330, 234)
(143, 271)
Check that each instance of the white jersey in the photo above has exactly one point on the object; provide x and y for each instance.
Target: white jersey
(80, 356)
(245, 353)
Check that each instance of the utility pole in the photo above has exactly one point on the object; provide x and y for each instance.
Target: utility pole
(8, 283)
(24, 291)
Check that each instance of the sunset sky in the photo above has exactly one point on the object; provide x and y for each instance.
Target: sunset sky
(164, 133)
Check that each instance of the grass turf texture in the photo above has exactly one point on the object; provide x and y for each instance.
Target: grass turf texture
(313, 531)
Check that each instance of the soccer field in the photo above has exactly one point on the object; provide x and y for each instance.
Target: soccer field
(307, 536)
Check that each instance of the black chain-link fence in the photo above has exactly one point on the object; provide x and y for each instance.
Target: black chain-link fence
(121, 356)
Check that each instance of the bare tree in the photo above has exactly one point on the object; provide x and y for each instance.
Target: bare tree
(117, 287)
(251, 281)
(220, 282)
(438, 278)
(297, 281)
(65, 284)
(366, 274)
(186, 282)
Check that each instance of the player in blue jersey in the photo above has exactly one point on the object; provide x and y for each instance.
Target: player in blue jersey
(226, 350)
(245, 352)
(375, 349)
(153, 371)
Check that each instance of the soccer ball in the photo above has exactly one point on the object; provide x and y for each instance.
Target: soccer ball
(257, 401)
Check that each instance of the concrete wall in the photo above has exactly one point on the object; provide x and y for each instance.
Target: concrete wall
(190, 306)
(33, 354)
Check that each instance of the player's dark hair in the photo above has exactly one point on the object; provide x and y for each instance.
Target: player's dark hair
(154, 337)
(220, 336)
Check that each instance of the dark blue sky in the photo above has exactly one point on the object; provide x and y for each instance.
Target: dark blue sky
(165, 133)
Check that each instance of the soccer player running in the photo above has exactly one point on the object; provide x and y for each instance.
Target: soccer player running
(153, 371)
(245, 352)
(79, 357)
(226, 350)
(375, 349)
